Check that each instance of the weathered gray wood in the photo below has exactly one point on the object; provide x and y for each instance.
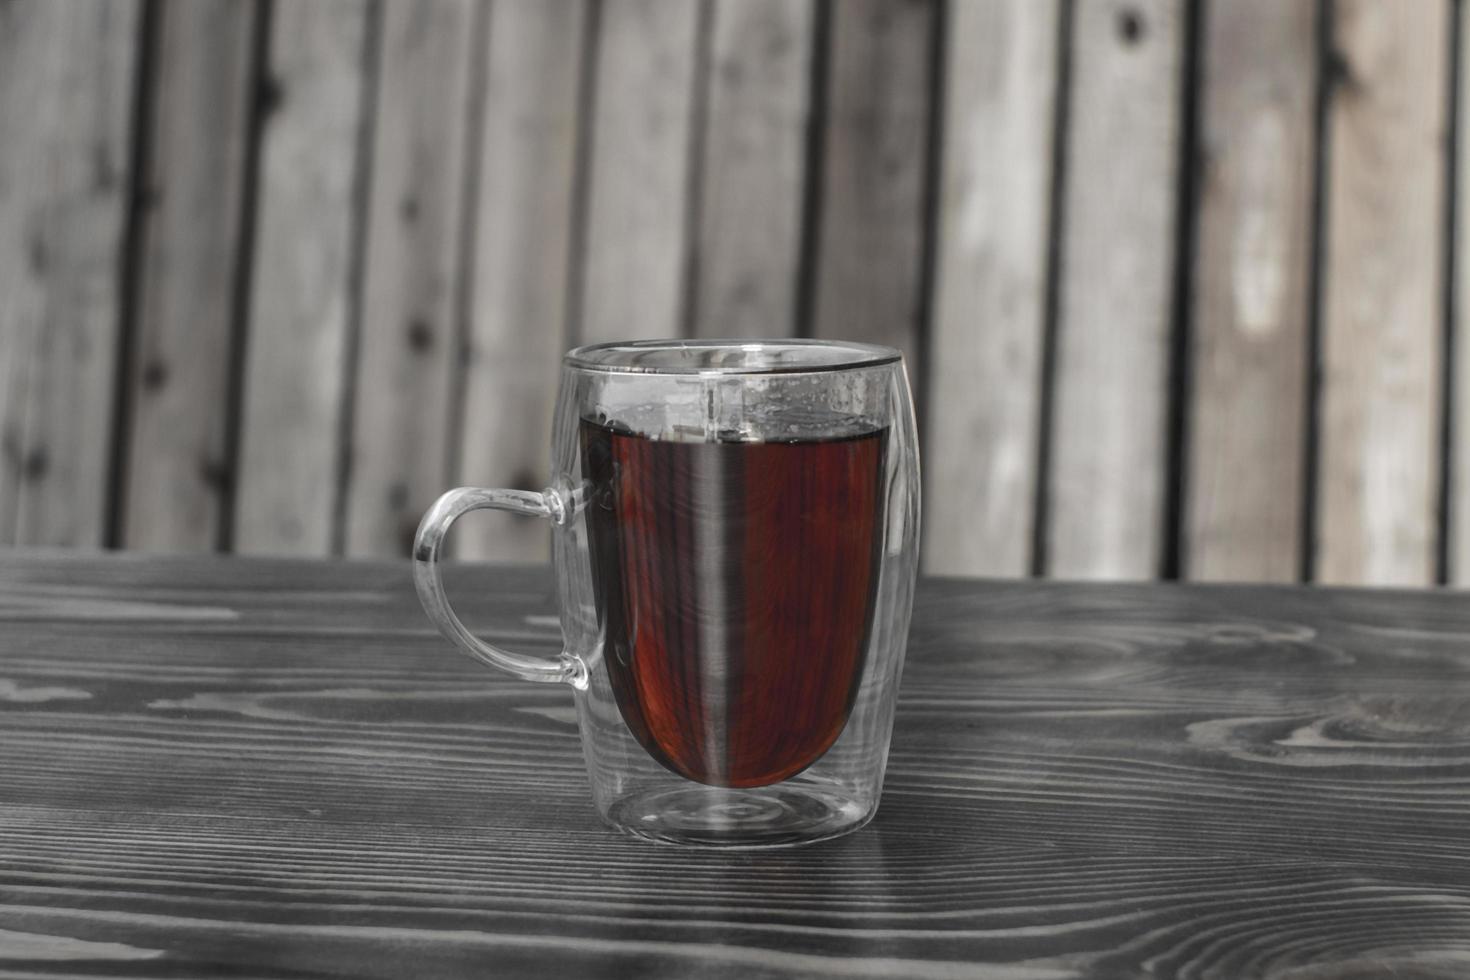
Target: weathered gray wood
(521, 273)
(410, 304)
(177, 470)
(300, 297)
(66, 109)
(1458, 532)
(870, 244)
(280, 767)
(1378, 467)
(1108, 448)
(985, 349)
(1247, 437)
(638, 184)
(753, 169)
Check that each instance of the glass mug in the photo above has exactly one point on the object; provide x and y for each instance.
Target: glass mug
(735, 530)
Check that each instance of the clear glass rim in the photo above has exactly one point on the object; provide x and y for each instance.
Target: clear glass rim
(730, 357)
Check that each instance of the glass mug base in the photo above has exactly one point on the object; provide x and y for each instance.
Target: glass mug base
(710, 816)
(734, 536)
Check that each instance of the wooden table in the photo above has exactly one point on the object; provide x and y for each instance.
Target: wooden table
(277, 769)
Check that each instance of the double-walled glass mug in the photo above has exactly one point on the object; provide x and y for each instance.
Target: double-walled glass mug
(735, 530)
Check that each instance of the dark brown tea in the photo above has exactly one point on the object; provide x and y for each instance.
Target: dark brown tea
(736, 582)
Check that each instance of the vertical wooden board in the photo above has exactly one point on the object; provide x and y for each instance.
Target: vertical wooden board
(1459, 503)
(517, 331)
(1381, 328)
(633, 275)
(299, 296)
(753, 168)
(66, 107)
(1108, 449)
(1247, 440)
(869, 262)
(410, 312)
(177, 470)
(990, 286)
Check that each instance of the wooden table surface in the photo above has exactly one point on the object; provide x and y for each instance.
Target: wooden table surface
(277, 769)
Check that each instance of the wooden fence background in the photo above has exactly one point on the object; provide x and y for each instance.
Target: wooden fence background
(1177, 280)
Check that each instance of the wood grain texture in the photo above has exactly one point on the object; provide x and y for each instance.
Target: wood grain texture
(1106, 494)
(301, 293)
(177, 470)
(1458, 506)
(990, 286)
(638, 183)
(66, 111)
(523, 234)
(1378, 465)
(1248, 394)
(280, 769)
(748, 253)
(870, 243)
(411, 308)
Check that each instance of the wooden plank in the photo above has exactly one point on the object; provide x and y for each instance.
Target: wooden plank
(1106, 492)
(300, 296)
(1085, 781)
(1378, 466)
(633, 275)
(177, 470)
(410, 308)
(1247, 433)
(1458, 532)
(518, 328)
(754, 165)
(990, 286)
(66, 108)
(871, 238)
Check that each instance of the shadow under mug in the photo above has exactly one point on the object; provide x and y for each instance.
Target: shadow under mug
(735, 528)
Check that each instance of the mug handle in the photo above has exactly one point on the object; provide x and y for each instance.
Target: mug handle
(428, 578)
